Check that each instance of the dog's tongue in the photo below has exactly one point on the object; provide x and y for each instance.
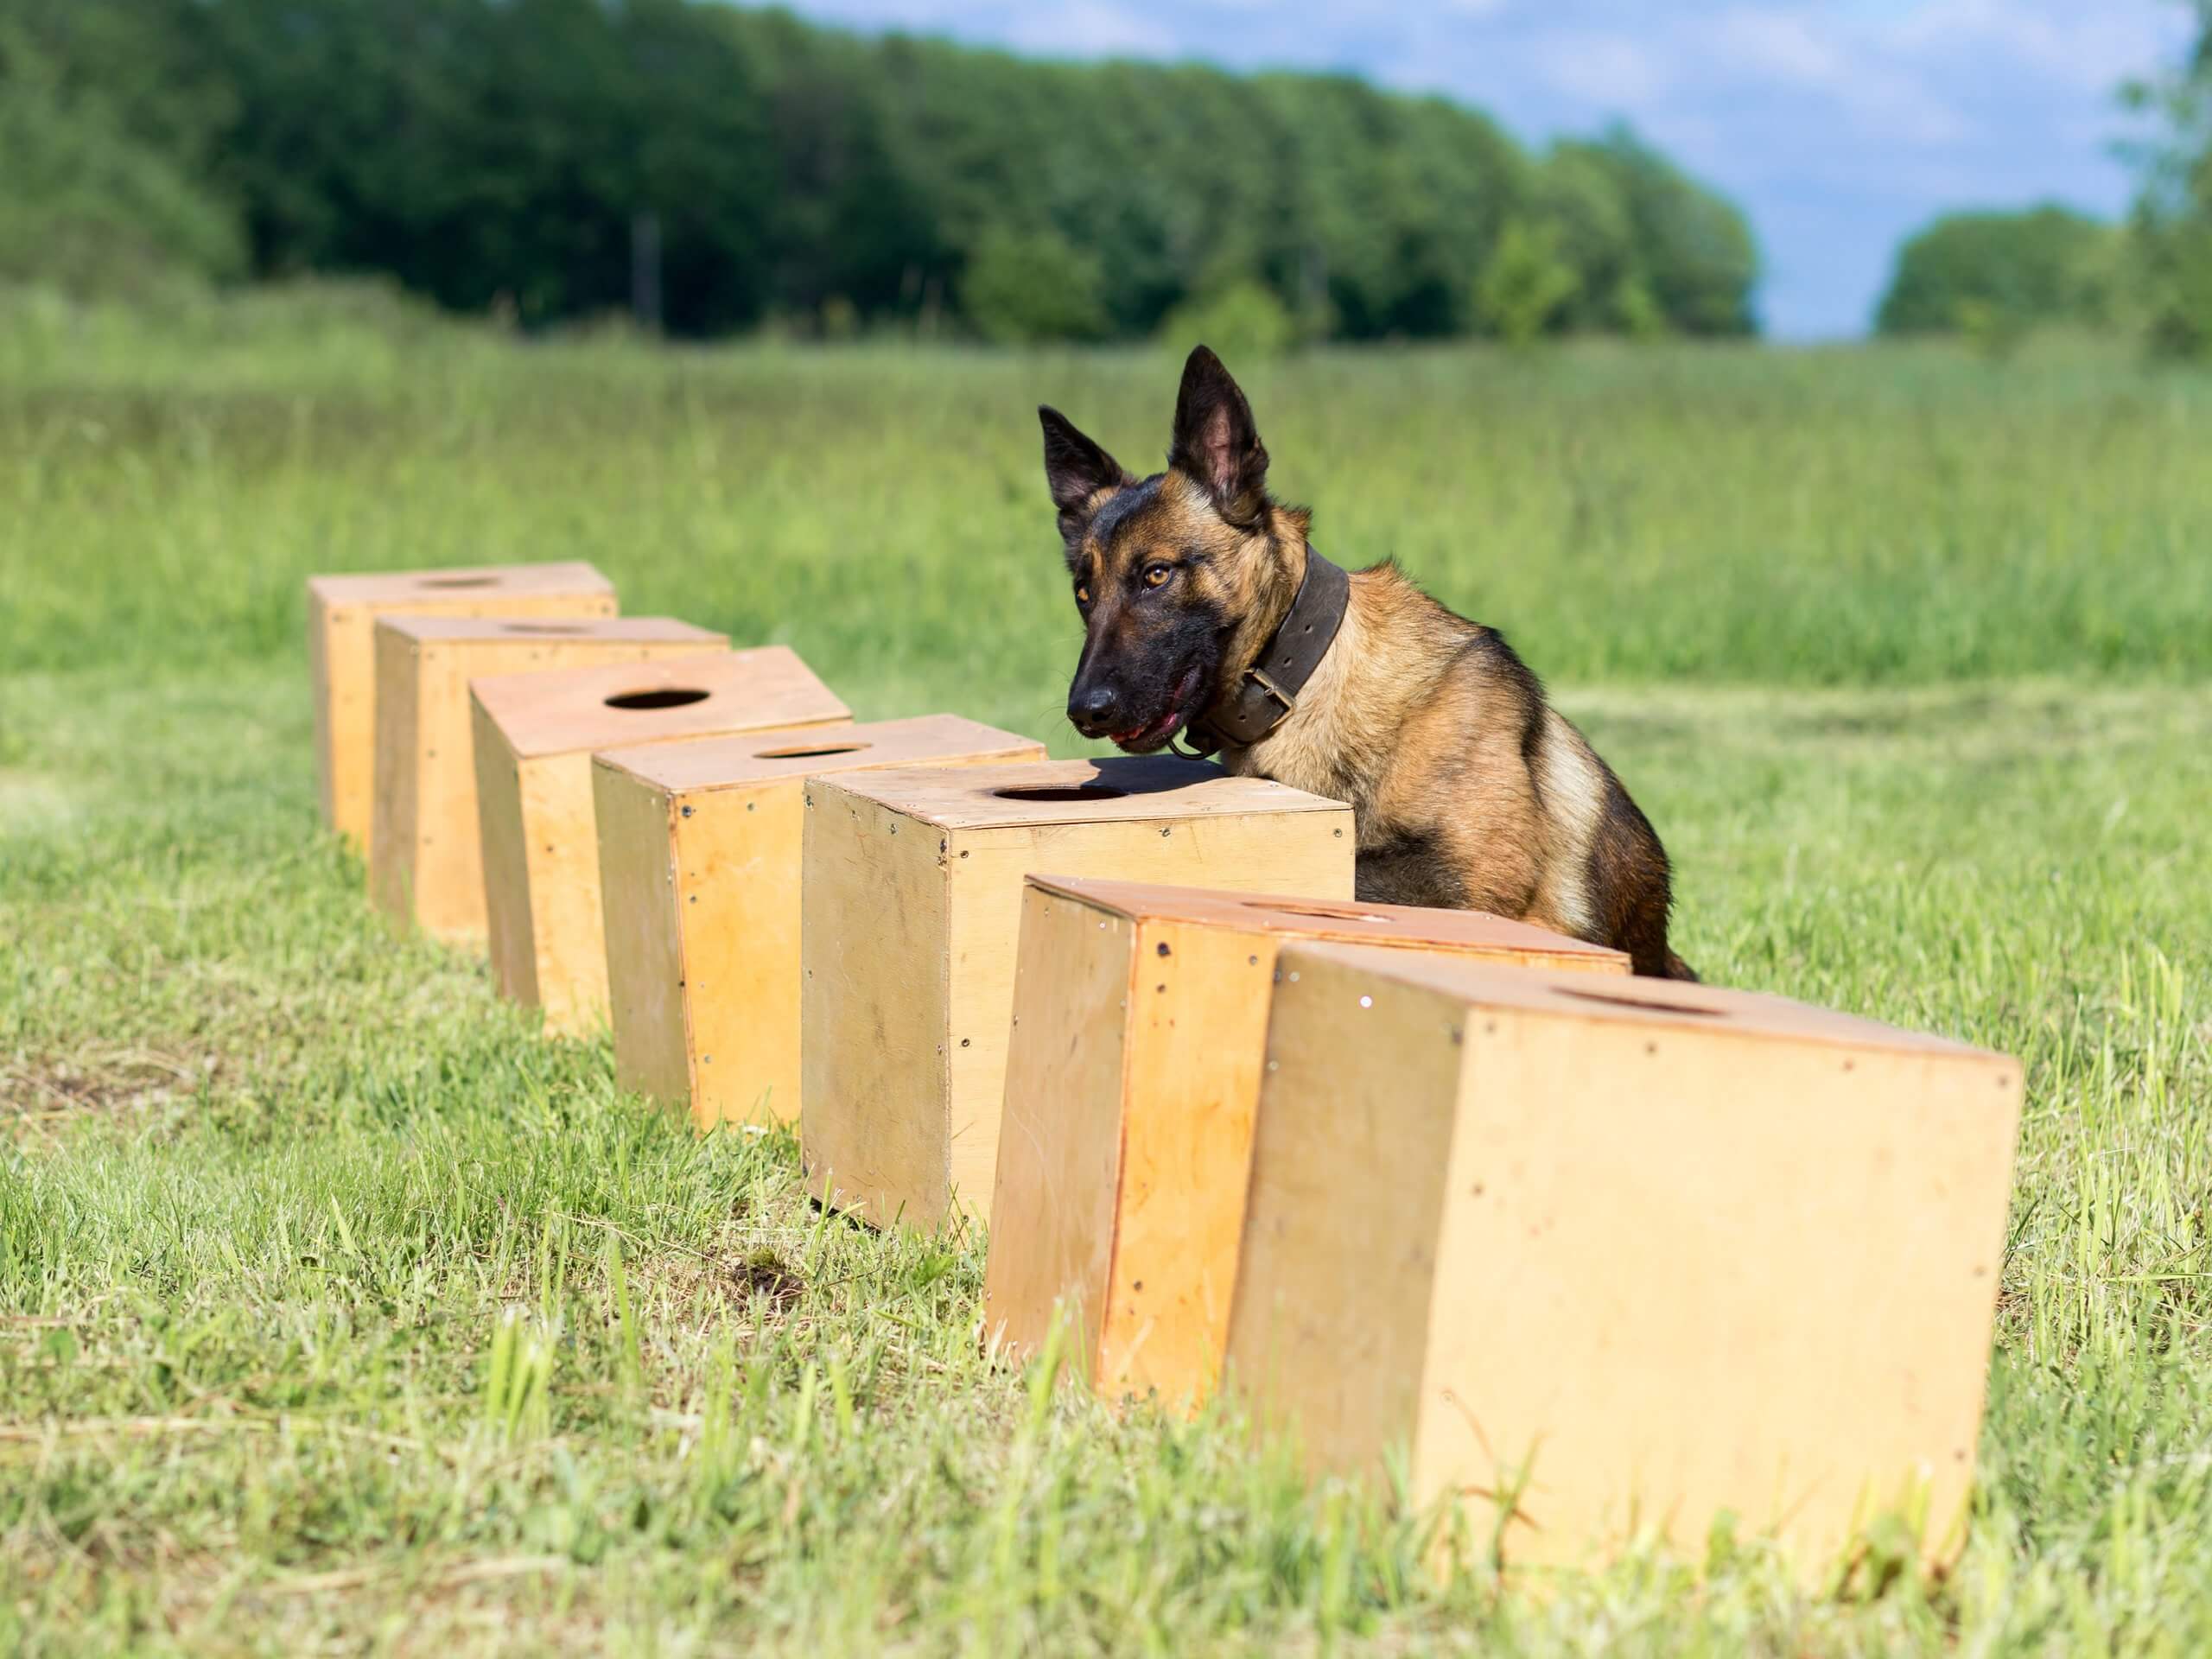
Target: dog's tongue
(1166, 723)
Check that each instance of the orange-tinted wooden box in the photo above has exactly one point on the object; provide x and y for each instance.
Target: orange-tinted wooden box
(913, 903)
(1617, 1259)
(426, 863)
(534, 735)
(699, 860)
(341, 618)
(1133, 1077)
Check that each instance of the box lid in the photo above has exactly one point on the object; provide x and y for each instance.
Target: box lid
(797, 752)
(1681, 1005)
(564, 710)
(548, 630)
(1352, 922)
(1114, 790)
(458, 582)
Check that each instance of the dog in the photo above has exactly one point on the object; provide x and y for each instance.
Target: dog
(1207, 611)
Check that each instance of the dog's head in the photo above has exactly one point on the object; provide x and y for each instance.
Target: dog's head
(1175, 575)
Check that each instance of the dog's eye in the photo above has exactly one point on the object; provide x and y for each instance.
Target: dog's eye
(1156, 574)
(1082, 595)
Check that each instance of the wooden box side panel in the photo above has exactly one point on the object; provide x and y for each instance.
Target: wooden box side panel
(448, 844)
(448, 858)
(638, 911)
(738, 883)
(1330, 1318)
(1308, 853)
(398, 769)
(323, 667)
(1196, 1044)
(1691, 1274)
(1053, 1206)
(739, 898)
(1198, 1030)
(567, 922)
(342, 649)
(502, 836)
(872, 1024)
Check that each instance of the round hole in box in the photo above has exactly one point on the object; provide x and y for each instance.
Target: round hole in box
(659, 696)
(1060, 792)
(1652, 1006)
(547, 627)
(1316, 911)
(456, 582)
(804, 752)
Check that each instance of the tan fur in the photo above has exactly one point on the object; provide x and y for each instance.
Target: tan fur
(1469, 789)
(1424, 741)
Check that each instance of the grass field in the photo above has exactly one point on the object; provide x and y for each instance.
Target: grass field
(339, 1312)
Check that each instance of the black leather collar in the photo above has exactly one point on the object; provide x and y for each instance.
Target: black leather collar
(1267, 691)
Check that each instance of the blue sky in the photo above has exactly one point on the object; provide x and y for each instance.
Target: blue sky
(1839, 126)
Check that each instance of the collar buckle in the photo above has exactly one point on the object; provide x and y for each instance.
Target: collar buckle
(1259, 677)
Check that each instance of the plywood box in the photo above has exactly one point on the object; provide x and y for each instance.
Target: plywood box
(1133, 1077)
(342, 610)
(1616, 1259)
(913, 902)
(699, 860)
(426, 864)
(534, 735)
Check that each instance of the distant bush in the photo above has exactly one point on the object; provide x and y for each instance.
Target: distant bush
(85, 202)
(2177, 277)
(1995, 275)
(2171, 231)
(1024, 286)
(1526, 284)
(1244, 321)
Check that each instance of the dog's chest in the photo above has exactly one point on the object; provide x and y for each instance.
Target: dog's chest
(1292, 755)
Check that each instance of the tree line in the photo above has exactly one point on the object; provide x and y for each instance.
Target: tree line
(1992, 277)
(722, 168)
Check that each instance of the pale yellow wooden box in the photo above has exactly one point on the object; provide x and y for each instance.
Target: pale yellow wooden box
(699, 863)
(1133, 1078)
(534, 736)
(1614, 1260)
(342, 610)
(913, 904)
(426, 864)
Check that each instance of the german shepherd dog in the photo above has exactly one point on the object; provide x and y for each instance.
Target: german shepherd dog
(1470, 790)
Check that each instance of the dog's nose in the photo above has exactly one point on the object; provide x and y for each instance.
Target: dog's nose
(1095, 709)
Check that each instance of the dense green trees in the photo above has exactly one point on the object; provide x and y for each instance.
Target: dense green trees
(728, 167)
(2170, 230)
(1988, 270)
(107, 125)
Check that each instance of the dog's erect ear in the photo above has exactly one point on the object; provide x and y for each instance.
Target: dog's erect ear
(1216, 441)
(1075, 468)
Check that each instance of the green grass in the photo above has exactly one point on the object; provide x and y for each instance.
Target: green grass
(337, 1312)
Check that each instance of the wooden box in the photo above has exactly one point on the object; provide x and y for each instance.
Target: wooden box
(1133, 1076)
(699, 860)
(342, 612)
(426, 862)
(534, 735)
(913, 902)
(1617, 1259)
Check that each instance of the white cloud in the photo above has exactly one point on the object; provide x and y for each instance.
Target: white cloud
(1786, 45)
(1609, 67)
(2089, 46)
